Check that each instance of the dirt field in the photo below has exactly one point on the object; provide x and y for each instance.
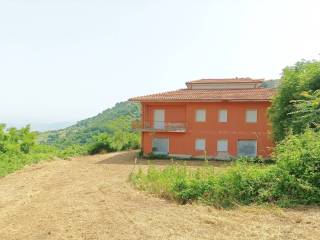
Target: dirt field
(90, 198)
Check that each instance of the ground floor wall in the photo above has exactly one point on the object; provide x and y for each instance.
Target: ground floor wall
(184, 144)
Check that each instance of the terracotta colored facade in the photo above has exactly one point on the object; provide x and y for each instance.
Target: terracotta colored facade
(186, 136)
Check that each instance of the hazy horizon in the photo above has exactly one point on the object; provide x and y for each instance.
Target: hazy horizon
(64, 61)
(41, 127)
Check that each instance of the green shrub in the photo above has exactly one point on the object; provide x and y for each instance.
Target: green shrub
(303, 76)
(294, 179)
(255, 160)
(18, 148)
(118, 141)
(101, 143)
(298, 159)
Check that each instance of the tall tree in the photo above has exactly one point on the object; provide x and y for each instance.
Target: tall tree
(303, 76)
(307, 111)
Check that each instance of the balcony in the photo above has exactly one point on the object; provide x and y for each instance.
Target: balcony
(149, 126)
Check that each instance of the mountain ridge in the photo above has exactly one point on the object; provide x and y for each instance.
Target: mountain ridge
(84, 130)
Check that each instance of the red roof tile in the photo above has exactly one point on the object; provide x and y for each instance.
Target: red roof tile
(226, 80)
(194, 95)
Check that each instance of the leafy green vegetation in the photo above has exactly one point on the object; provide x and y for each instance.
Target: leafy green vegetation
(84, 131)
(307, 110)
(18, 148)
(294, 179)
(108, 131)
(120, 137)
(303, 76)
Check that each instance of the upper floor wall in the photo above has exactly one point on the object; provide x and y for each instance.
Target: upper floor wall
(212, 116)
(231, 83)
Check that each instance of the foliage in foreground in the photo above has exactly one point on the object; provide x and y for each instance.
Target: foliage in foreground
(303, 76)
(19, 148)
(307, 110)
(294, 179)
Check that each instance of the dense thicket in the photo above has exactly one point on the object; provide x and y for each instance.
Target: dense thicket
(307, 110)
(18, 148)
(303, 76)
(294, 179)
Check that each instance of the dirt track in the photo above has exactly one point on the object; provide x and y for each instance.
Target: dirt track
(90, 198)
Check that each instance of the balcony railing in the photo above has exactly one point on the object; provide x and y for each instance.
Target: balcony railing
(158, 126)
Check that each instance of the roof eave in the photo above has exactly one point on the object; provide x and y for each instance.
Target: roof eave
(200, 100)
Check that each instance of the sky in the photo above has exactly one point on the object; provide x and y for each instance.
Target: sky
(66, 60)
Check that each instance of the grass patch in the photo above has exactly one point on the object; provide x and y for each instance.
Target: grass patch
(220, 187)
(294, 179)
(13, 161)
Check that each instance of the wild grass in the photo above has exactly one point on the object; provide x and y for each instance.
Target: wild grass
(293, 180)
(206, 184)
(14, 160)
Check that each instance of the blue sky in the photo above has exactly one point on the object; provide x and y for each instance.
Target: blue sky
(65, 60)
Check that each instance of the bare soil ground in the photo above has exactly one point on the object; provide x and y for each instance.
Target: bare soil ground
(90, 198)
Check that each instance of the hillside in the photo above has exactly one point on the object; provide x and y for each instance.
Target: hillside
(83, 131)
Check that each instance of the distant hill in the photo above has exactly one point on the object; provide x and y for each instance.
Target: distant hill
(40, 127)
(83, 131)
(271, 83)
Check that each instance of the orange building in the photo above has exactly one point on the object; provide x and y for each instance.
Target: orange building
(223, 117)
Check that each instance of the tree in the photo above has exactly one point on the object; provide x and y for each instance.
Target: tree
(16, 140)
(303, 76)
(119, 136)
(307, 111)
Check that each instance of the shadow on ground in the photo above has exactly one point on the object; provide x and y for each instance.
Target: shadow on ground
(128, 158)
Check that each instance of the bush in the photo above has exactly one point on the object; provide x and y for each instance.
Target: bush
(255, 160)
(239, 185)
(303, 76)
(298, 159)
(119, 141)
(18, 148)
(294, 179)
(101, 143)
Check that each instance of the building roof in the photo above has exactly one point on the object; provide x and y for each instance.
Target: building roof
(207, 95)
(225, 80)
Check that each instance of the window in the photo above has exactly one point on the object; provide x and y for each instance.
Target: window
(251, 116)
(158, 119)
(200, 144)
(247, 148)
(201, 115)
(160, 146)
(223, 116)
(222, 145)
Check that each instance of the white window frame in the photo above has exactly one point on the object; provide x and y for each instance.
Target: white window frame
(223, 116)
(200, 144)
(251, 118)
(222, 145)
(201, 115)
